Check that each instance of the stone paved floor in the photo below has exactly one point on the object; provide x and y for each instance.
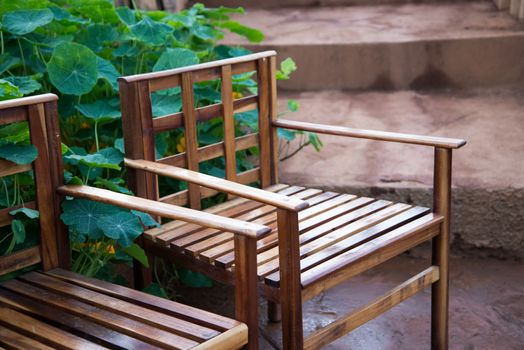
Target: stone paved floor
(486, 306)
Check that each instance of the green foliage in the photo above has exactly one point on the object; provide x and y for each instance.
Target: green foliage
(78, 49)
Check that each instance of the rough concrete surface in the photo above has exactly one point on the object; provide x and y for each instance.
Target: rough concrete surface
(393, 46)
(486, 307)
(488, 181)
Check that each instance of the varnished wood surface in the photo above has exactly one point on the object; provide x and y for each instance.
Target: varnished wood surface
(19, 260)
(371, 134)
(218, 184)
(27, 101)
(62, 309)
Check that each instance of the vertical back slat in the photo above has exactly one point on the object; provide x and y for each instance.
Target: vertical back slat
(229, 123)
(188, 109)
(263, 122)
(44, 187)
(273, 115)
(57, 179)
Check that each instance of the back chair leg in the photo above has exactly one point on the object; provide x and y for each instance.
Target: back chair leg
(142, 275)
(440, 258)
(274, 312)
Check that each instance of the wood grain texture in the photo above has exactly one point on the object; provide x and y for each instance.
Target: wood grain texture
(27, 101)
(440, 256)
(273, 115)
(371, 134)
(264, 122)
(19, 260)
(218, 184)
(9, 168)
(164, 210)
(229, 123)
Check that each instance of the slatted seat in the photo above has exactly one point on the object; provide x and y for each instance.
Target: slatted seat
(316, 239)
(52, 307)
(334, 230)
(61, 308)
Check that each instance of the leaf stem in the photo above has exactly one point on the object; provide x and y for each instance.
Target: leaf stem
(2, 40)
(96, 137)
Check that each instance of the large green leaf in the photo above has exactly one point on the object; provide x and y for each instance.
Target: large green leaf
(25, 21)
(100, 111)
(175, 58)
(165, 104)
(108, 158)
(73, 69)
(8, 90)
(146, 219)
(19, 154)
(97, 35)
(124, 227)
(107, 71)
(30, 213)
(15, 132)
(26, 84)
(251, 34)
(137, 253)
(126, 15)
(151, 32)
(7, 61)
(84, 216)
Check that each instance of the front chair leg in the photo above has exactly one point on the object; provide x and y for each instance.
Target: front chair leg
(246, 287)
(290, 285)
(142, 276)
(440, 257)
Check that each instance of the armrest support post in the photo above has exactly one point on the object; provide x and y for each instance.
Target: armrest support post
(290, 281)
(440, 255)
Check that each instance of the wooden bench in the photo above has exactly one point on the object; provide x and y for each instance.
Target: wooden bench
(53, 307)
(318, 239)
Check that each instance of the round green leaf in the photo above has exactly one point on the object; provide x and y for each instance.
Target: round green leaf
(19, 154)
(73, 69)
(25, 84)
(100, 110)
(151, 32)
(84, 216)
(26, 21)
(123, 227)
(175, 58)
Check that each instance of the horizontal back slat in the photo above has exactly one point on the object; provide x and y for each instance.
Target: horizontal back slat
(9, 168)
(13, 115)
(174, 121)
(20, 259)
(6, 218)
(181, 197)
(212, 151)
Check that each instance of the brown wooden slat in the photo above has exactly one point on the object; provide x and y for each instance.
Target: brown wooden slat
(20, 259)
(171, 230)
(156, 319)
(206, 239)
(181, 197)
(264, 122)
(348, 237)
(176, 120)
(44, 187)
(229, 124)
(43, 332)
(6, 218)
(212, 151)
(142, 331)
(273, 115)
(188, 313)
(235, 211)
(373, 309)
(16, 341)
(13, 115)
(9, 168)
(74, 324)
(233, 338)
(368, 255)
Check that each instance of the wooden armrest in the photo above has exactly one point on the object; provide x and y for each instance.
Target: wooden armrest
(256, 194)
(165, 210)
(371, 134)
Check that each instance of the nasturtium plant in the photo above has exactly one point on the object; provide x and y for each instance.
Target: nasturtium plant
(78, 49)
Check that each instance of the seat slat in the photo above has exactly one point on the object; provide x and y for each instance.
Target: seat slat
(132, 311)
(349, 236)
(193, 245)
(171, 230)
(43, 332)
(18, 341)
(145, 332)
(73, 324)
(185, 312)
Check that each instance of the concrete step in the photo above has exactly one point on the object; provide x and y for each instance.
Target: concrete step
(412, 46)
(310, 3)
(488, 195)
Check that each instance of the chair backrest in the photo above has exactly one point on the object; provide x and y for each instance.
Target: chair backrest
(40, 113)
(140, 127)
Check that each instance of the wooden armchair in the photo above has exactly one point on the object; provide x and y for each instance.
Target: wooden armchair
(318, 239)
(55, 308)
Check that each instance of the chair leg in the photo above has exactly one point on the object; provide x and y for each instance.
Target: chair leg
(274, 312)
(440, 258)
(142, 275)
(290, 285)
(246, 287)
